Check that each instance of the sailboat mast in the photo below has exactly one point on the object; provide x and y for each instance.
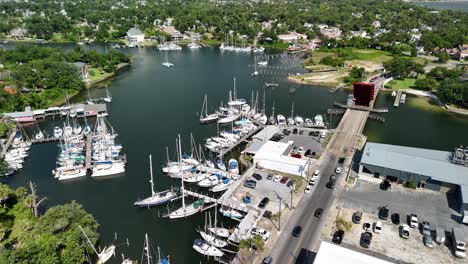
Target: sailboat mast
(89, 241)
(147, 248)
(292, 110)
(263, 101)
(235, 92)
(151, 173)
(182, 176)
(167, 154)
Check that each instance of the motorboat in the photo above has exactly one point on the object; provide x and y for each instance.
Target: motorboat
(156, 198)
(309, 122)
(193, 45)
(231, 213)
(220, 164)
(68, 131)
(228, 119)
(263, 119)
(106, 254)
(108, 169)
(197, 177)
(77, 129)
(233, 166)
(291, 121)
(70, 174)
(39, 135)
(212, 240)
(299, 121)
(72, 112)
(262, 63)
(202, 247)
(86, 129)
(318, 120)
(281, 120)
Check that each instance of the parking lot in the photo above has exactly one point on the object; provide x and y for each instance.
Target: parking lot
(388, 244)
(428, 205)
(265, 188)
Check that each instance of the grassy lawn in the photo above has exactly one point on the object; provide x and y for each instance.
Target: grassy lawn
(371, 55)
(404, 84)
(97, 74)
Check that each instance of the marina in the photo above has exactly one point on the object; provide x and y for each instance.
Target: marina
(147, 122)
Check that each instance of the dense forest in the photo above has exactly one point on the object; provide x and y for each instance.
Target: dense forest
(48, 73)
(51, 237)
(110, 19)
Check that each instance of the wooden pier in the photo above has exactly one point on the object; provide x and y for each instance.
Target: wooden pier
(89, 139)
(45, 140)
(215, 202)
(398, 98)
(241, 140)
(210, 170)
(7, 145)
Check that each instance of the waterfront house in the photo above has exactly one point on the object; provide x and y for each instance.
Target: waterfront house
(18, 33)
(292, 37)
(464, 52)
(266, 25)
(358, 34)
(9, 89)
(331, 32)
(172, 31)
(134, 35)
(415, 37)
(193, 35)
(83, 68)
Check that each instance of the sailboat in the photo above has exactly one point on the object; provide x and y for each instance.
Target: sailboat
(147, 254)
(106, 253)
(211, 239)
(204, 116)
(202, 247)
(193, 45)
(255, 73)
(272, 119)
(219, 231)
(167, 63)
(291, 119)
(108, 98)
(156, 198)
(192, 208)
(39, 135)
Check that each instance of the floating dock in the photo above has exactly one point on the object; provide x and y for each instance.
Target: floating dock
(363, 108)
(241, 140)
(397, 98)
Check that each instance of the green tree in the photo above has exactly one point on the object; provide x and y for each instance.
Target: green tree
(427, 84)
(443, 57)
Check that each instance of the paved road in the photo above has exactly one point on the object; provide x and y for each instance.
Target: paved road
(342, 144)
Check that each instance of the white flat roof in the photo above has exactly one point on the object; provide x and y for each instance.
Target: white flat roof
(271, 149)
(329, 253)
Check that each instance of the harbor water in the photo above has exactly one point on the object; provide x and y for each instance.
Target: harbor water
(152, 104)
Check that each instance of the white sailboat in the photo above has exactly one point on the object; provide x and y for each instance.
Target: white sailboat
(281, 120)
(106, 253)
(167, 63)
(156, 198)
(108, 97)
(218, 231)
(236, 101)
(204, 116)
(149, 257)
(192, 208)
(291, 118)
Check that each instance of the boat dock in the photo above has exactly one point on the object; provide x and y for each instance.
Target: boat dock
(82, 110)
(241, 140)
(6, 145)
(45, 140)
(89, 139)
(398, 98)
(210, 170)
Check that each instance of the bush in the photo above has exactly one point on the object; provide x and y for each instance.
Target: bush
(343, 224)
(410, 184)
(332, 61)
(92, 72)
(426, 84)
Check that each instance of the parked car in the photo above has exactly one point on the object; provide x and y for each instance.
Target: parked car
(357, 216)
(330, 184)
(296, 155)
(257, 176)
(267, 260)
(413, 221)
(261, 232)
(263, 202)
(308, 153)
(333, 177)
(323, 134)
(284, 180)
(290, 183)
(425, 228)
(383, 212)
(250, 184)
(286, 132)
(428, 240)
(294, 131)
(297, 231)
(313, 180)
(338, 237)
(267, 214)
(378, 227)
(404, 231)
(316, 173)
(301, 132)
(385, 185)
(395, 218)
(366, 239)
(277, 178)
(341, 160)
(313, 154)
(308, 189)
(318, 212)
(338, 170)
(367, 226)
(269, 176)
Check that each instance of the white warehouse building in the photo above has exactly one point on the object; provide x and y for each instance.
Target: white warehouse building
(274, 156)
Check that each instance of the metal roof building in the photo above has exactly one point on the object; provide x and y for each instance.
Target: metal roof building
(432, 169)
(329, 253)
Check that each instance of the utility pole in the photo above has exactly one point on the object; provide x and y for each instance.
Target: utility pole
(34, 203)
(291, 188)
